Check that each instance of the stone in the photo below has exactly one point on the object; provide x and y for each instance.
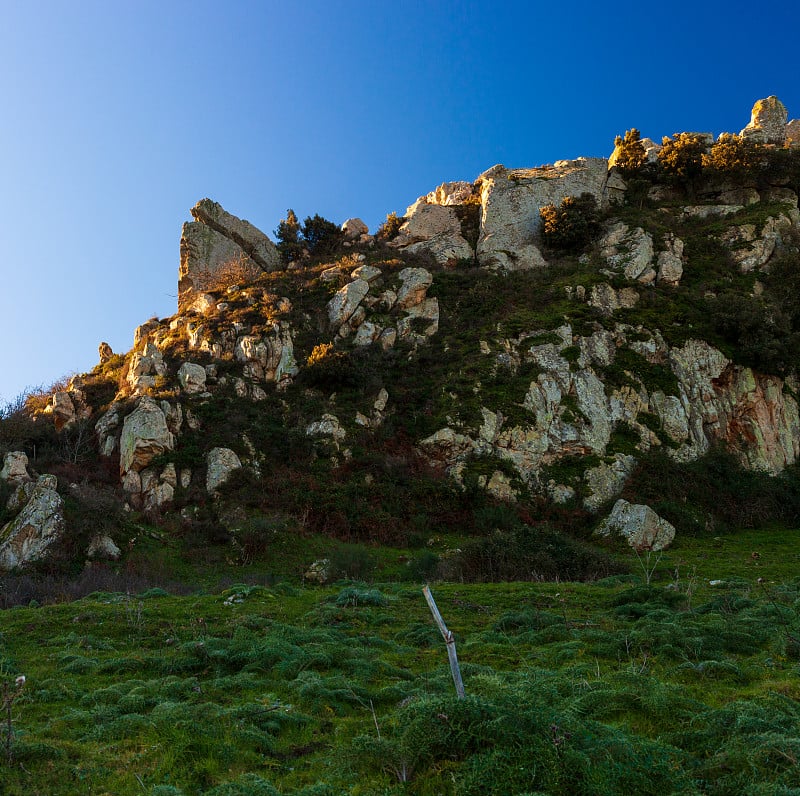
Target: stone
(450, 193)
(19, 497)
(420, 321)
(381, 400)
(767, 122)
(368, 273)
(345, 302)
(103, 547)
(258, 247)
(354, 228)
(793, 133)
(327, 426)
(629, 251)
(606, 299)
(318, 572)
(670, 262)
(511, 200)
(762, 246)
(643, 529)
(144, 436)
(414, 285)
(707, 211)
(15, 468)
(62, 409)
(142, 332)
(367, 334)
(192, 378)
(105, 352)
(220, 462)
(204, 304)
(31, 534)
(436, 229)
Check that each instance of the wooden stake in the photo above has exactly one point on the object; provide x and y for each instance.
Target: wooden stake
(448, 640)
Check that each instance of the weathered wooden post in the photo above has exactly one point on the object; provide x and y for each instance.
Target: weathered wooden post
(448, 640)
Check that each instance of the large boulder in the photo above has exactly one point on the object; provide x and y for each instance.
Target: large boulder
(145, 435)
(767, 122)
(31, 534)
(192, 378)
(643, 529)
(434, 228)
(208, 259)
(221, 463)
(15, 468)
(346, 300)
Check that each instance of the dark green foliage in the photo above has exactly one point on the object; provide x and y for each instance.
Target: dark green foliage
(320, 236)
(527, 553)
(288, 236)
(351, 561)
(735, 158)
(713, 494)
(571, 226)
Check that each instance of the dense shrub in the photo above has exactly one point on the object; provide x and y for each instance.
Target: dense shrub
(288, 236)
(681, 159)
(390, 228)
(321, 237)
(630, 152)
(571, 226)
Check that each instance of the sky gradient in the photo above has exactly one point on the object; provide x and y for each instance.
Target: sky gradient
(117, 118)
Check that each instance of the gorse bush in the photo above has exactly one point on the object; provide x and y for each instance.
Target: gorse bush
(630, 152)
(571, 226)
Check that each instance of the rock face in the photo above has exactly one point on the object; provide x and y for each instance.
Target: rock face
(767, 122)
(219, 248)
(31, 534)
(510, 203)
(145, 435)
(640, 525)
(434, 228)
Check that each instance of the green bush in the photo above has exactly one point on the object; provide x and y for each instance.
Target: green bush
(573, 225)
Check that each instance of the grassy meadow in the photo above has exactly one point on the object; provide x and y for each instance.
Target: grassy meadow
(611, 687)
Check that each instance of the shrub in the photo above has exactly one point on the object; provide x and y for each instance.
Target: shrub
(571, 226)
(630, 152)
(734, 155)
(681, 158)
(390, 228)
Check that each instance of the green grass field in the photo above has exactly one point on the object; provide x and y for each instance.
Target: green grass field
(614, 687)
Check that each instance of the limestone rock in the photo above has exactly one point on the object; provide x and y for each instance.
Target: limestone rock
(221, 462)
(29, 536)
(354, 228)
(793, 133)
(414, 285)
(318, 572)
(62, 409)
(629, 251)
(767, 122)
(450, 193)
(367, 272)
(15, 468)
(102, 547)
(144, 436)
(192, 378)
(670, 262)
(105, 352)
(608, 300)
(261, 250)
(640, 525)
(328, 426)
(511, 201)
(105, 428)
(707, 211)
(761, 246)
(434, 228)
(345, 302)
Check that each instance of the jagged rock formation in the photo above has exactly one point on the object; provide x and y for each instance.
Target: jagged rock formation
(641, 527)
(220, 248)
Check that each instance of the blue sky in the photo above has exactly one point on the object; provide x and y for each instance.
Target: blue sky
(117, 117)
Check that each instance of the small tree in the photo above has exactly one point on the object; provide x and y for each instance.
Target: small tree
(288, 235)
(390, 228)
(321, 236)
(629, 153)
(571, 226)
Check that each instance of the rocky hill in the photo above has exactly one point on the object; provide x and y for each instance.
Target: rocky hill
(536, 345)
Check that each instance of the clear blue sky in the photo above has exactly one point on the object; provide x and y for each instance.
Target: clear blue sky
(117, 117)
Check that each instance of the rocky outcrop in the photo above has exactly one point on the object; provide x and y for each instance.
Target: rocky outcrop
(192, 378)
(434, 228)
(145, 435)
(219, 249)
(751, 249)
(510, 203)
(105, 352)
(630, 252)
(767, 122)
(643, 529)
(405, 303)
(39, 525)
